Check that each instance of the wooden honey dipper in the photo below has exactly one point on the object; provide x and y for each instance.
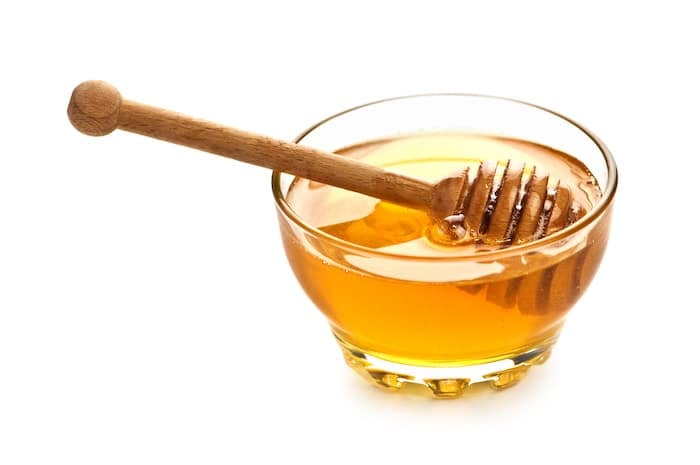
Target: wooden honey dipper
(498, 205)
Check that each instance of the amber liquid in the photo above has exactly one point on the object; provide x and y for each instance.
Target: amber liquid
(397, 306)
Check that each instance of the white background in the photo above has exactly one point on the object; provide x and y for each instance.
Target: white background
(147, 314)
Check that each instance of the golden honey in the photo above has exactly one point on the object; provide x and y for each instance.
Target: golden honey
(393, 292)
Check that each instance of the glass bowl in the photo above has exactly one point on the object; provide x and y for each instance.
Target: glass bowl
(451, 320)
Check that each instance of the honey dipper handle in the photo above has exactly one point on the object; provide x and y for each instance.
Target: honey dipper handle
(96, 108)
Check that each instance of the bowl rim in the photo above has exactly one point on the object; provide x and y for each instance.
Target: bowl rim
(482, 256)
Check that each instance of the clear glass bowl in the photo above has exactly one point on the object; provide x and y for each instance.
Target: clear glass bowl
(449, 322)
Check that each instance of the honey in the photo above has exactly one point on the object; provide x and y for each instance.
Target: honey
(393, 287)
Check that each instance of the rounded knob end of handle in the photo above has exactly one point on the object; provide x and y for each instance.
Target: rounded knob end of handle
(94, 108)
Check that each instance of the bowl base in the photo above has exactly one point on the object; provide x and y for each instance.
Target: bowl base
(445, 382)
